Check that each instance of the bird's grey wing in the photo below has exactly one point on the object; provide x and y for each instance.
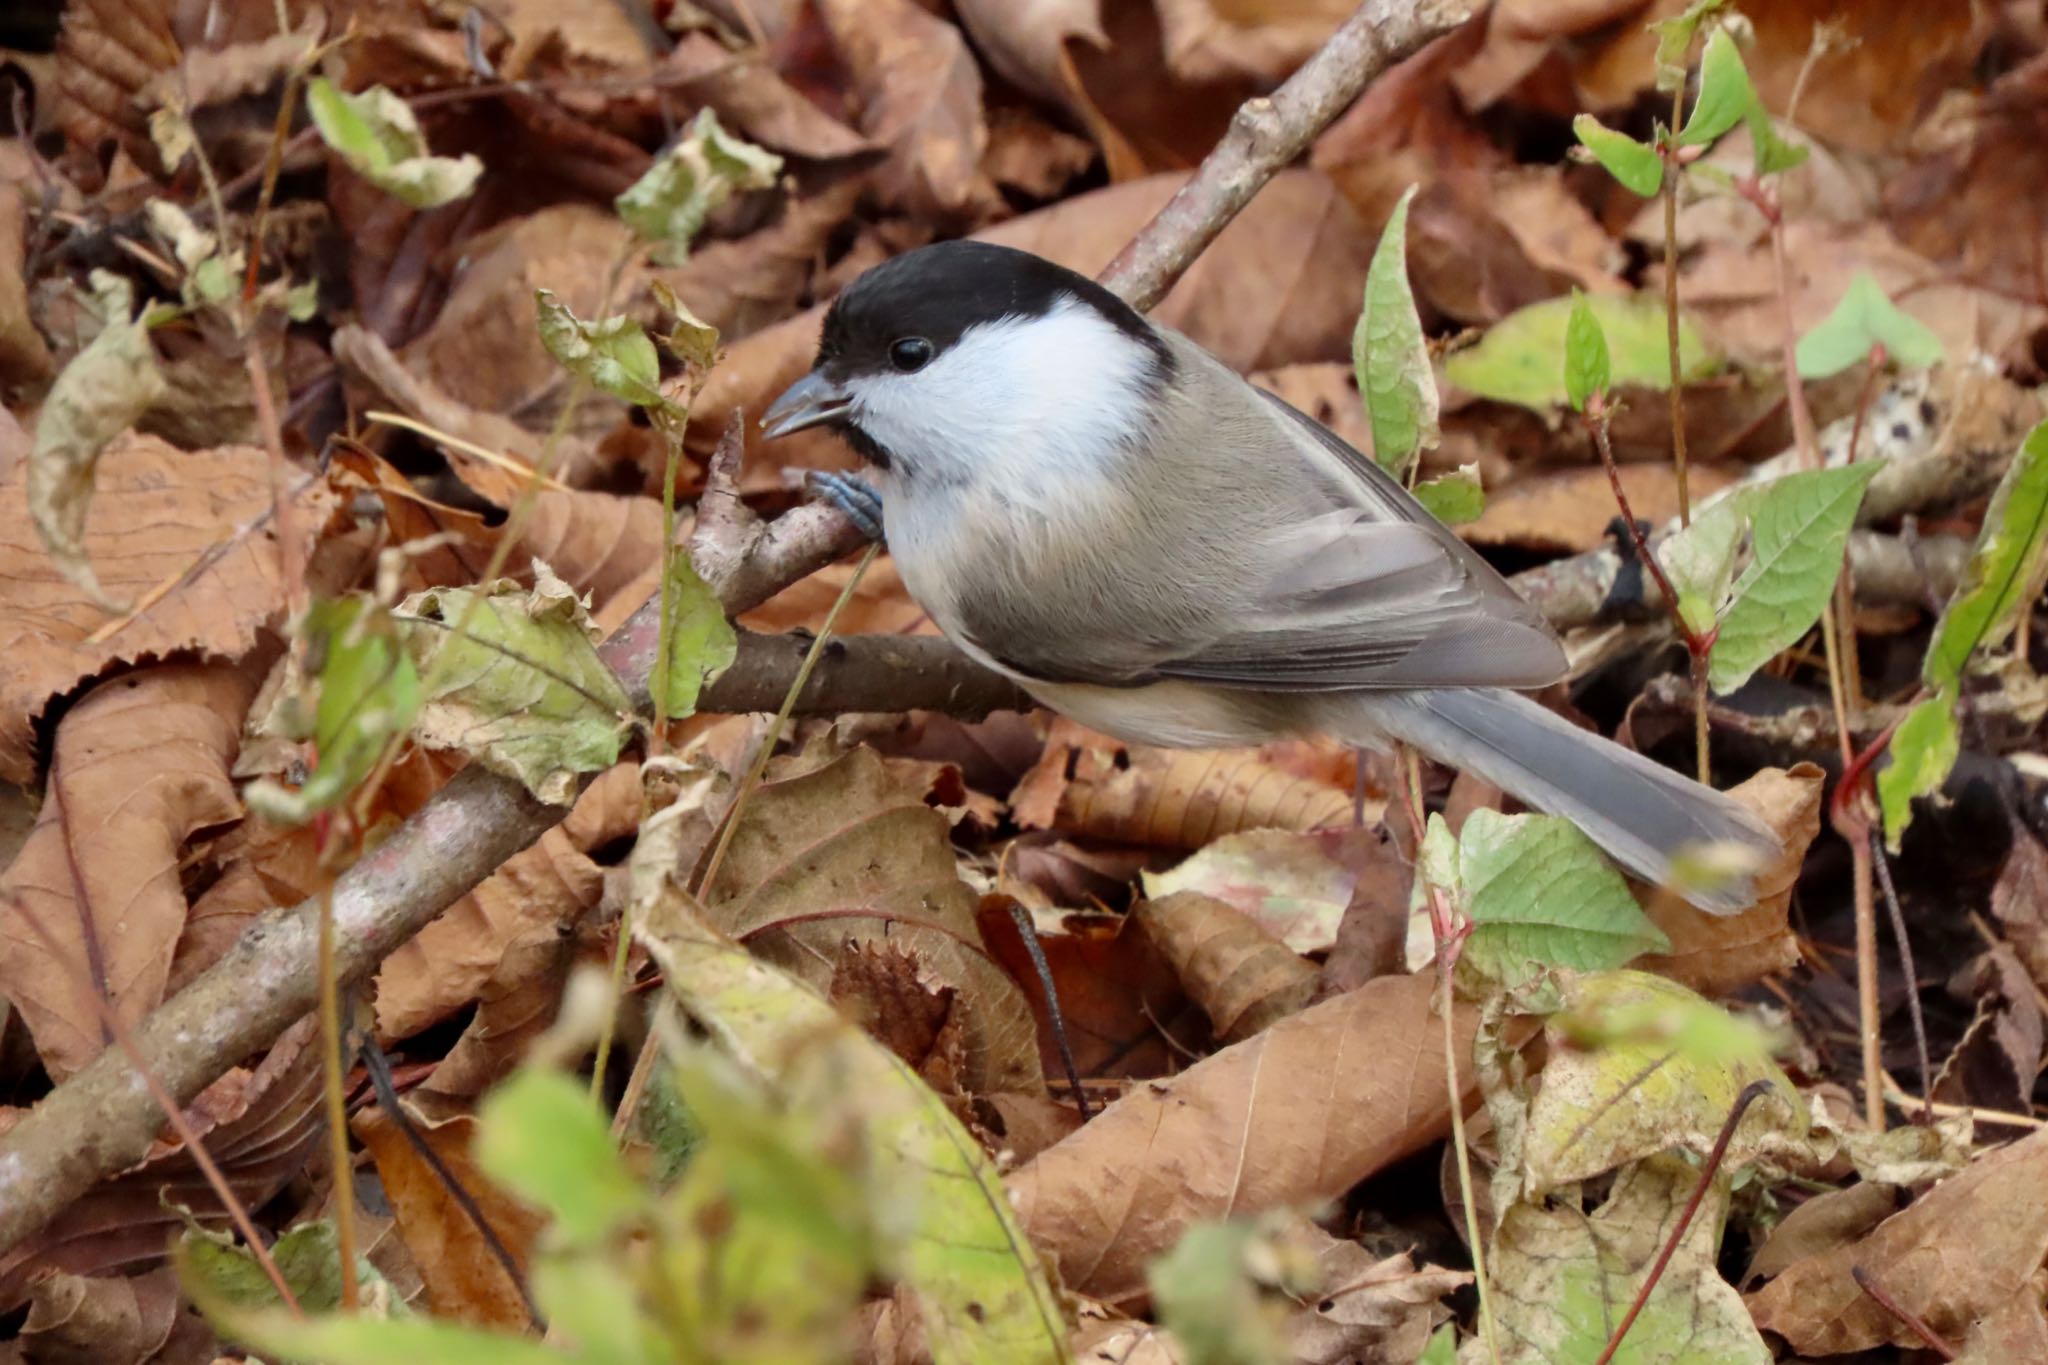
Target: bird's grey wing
(1374, 594)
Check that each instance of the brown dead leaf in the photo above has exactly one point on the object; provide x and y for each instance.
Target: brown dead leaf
(484, 349)
(110, 1320)
(834, 855)
(260, 1125)
(2016, 1330)
(1373, 1310)
(1733, 292)
(463, 1279)
(1027, 154)
(885, 990)
(1717, 954)
(1830, 1219)
(1121, 1001)
(2019, 901)
(24, 356)
(138, 767)
(106, 52)
(1994, 1063)
(880, 604)
(742, 286)
(757, 103)
(1962, 1250)
(157, 513)
(1297, 1114)
(1569, 511)
(920, 96)
(1206, 40)
(532, 901)
(1090, 784)
(1240, 975)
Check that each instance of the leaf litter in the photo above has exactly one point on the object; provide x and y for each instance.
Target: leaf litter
(920, 925)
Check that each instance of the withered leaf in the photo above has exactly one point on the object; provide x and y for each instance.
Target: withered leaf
(93, 906)
(198, 522)
(1242, 976)
(1296, 1114)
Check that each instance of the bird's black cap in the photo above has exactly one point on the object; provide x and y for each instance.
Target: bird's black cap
(938, 292)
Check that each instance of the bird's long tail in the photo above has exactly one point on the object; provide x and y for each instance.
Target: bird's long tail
(1643, 814)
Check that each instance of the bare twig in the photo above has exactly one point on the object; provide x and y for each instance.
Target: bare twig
(1269, 133)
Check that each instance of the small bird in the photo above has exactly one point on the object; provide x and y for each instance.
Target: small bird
(1098, 508)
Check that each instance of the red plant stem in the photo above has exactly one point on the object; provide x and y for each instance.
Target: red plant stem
(1750, 1094)
(1867, 1282)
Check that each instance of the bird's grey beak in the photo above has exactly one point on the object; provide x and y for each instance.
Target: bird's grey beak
(806, 403)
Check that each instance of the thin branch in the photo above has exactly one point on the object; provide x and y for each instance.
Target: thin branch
(1867, 1282)
(1267, 134)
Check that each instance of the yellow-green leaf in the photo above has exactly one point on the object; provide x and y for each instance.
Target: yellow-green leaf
(376, 134)
(1390, 356)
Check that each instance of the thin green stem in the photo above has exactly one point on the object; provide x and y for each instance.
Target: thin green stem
(337, 1102)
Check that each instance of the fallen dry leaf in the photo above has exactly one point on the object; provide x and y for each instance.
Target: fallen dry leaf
(1718, 954)
(753, 100)
(2019, 901)
(1830, 1219)
(532, 900)
(112, 1320)
(1295, 1115)
(1960, 1251)
(1570, 511)
(2016, 1330)
(836, 854)
(93, 907)
(1205, 40)
(24, 355)
(1096, 786)
(1994, 1064)
(1120, 1001)
(1374, 1310)
(198, 522)
(920, 96)
(1240, 975)
(260, 1124)
(463, 1280)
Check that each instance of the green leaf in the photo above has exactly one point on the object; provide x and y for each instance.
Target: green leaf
(669, 203)
(1517, 360)
(1635, 165)
(308, 1256)
(1923, 752)
(1390, 356)
(1674, 41)
(1565, 1278)
(368, 691)
(521, 689)
(1700, 559)
(1725, 92)
(1542, 896)
(981, 1291)
(542, 1138)
(376, 134)
(701, 641)
(1801, 523)
(339, 1340)
(105, 389)
(1865, 318)
(614, 355)
(1773, 153)
(1586, 364)
(2006, 561)
(1643, 1065)
(1218, 1310)
(1442, 1348)
(1986, 608)
(1454, 498)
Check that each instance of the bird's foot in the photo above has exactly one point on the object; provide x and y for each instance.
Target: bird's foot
(851, 494)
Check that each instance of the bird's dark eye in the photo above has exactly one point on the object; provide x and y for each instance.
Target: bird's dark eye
(910, 354)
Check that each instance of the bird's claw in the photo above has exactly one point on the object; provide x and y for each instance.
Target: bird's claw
(852, 495)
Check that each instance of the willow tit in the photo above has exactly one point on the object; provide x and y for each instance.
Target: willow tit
(1100, 509)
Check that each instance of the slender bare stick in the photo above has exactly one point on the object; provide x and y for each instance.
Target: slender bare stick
(1268, 133)
(1867, 1282)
